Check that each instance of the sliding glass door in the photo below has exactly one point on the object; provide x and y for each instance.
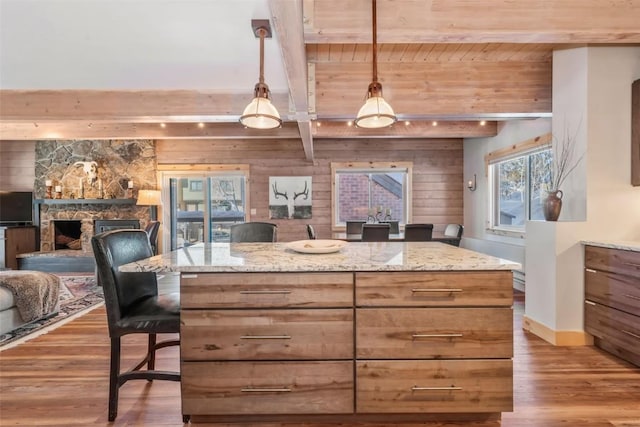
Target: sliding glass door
(202, 207)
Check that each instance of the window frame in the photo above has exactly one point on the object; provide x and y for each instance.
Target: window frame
(370, 167)
(526, 149)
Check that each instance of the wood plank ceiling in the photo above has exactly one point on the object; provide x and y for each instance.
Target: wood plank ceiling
(453, 62)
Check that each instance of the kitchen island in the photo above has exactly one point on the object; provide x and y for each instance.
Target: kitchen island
(376, 332)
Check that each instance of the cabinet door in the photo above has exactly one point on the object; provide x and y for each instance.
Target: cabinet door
(266, 334)
(267, 388)
(613, 290)
(438, 386)
(19, 240)
(256, 290)
(434, 289)
(616, 331)
(612, 260)
(434, 333)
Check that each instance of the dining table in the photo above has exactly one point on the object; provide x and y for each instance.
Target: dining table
(357, 237)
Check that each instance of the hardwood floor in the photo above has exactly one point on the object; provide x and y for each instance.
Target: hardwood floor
(60, 379)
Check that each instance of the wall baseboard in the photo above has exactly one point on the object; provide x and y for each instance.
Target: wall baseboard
(559, 338)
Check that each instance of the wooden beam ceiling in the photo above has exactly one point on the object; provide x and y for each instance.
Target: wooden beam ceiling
(454, 61)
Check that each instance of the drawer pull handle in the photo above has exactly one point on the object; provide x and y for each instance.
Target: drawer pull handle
(265, 390)
(589, 270)
(436, 335)
(630, 334)
(632, 264)
(435, 290)
(417, 388)
(266, 292)
(631, 296)
(189, 276)
(265, 337)
(589, 302)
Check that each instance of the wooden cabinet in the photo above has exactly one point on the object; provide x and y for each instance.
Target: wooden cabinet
(612, 300)
(15, 241)
(277, 343)
(346, 347)
(449, 338)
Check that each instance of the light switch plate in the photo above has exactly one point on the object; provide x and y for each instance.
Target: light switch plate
(253, 211)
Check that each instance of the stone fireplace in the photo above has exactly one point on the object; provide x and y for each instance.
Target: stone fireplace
(70, 219)
(68, 234)
(72, 226)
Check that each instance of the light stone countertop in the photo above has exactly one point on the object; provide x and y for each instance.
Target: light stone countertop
(355, 256)
(624, 245)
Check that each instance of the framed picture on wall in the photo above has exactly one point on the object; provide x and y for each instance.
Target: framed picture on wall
(290, 197)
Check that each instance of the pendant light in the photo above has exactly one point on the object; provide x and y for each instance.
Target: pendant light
(376, 112)
(261, 113)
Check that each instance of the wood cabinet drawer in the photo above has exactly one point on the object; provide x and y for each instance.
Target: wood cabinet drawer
(619, 332)
(434, 386)
(490, 288)
(267, 387)
(613, 290)
(434, 333)
(266, 334)
(612, 260)
(232, 290)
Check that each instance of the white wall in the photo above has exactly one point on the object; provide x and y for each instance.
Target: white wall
(592, 99)
(476, 205)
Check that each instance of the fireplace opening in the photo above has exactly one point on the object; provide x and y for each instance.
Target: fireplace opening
(67, 234)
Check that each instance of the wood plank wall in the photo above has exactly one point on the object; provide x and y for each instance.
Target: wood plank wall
(438, 182)
(17, 165)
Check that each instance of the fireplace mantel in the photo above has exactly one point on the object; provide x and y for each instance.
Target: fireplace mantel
(84, 201)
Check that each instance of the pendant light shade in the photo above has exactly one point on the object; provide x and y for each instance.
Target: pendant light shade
(376, 112)
(261, 113)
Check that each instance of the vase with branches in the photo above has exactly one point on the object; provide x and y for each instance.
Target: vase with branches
(564, 162)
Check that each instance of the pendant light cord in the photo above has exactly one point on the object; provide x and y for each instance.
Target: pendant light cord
(375, 42)
(261, 33)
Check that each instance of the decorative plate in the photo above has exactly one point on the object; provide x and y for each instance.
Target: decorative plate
(318, 246)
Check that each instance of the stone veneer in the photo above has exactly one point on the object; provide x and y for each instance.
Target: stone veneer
(119, 161)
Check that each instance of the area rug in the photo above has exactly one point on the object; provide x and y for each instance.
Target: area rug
(78, 293)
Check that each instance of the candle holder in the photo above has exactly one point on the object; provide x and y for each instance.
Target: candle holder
(48, 189)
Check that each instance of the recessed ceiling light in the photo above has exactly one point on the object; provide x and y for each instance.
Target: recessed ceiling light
(483, 122)
(163, 125)
(434, 123)
(349, 123)
(200, 125)
(407, 123)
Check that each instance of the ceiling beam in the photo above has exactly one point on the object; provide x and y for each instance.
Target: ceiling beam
(287, 21)
(127, 106)
(108, 130)
(478, 21)
(410, 129)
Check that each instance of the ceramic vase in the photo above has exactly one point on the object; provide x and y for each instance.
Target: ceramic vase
(552, 205)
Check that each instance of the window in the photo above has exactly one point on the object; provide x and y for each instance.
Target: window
(519, 177)
(371, 192)
(204, 201)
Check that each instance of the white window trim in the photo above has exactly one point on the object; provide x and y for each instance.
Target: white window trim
(516, 150)
(367, 167)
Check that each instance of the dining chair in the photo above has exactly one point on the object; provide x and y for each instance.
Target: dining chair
(418, 232)
(354, 227)
(133, 306)
(453, 234)
(152, 229)
(249, 232)
(394, 226)
(375, 232)
(311, 232)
